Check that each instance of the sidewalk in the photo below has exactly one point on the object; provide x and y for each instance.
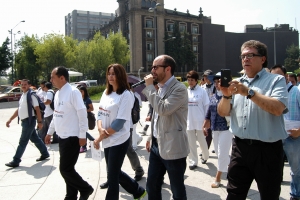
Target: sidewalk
(42, 180)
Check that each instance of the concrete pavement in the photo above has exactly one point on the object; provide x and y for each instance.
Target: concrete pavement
(42, 180)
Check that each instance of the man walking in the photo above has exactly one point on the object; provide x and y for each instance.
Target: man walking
(256, 103)
(70, 123)
(169, 123)
(28, 112)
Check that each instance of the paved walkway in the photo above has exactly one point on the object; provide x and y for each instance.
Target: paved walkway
(42, 180)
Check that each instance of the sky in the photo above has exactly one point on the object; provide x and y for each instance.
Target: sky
(47, 16)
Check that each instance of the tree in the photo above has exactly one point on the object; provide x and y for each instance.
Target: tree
(5, 57)
(121, 53)
(290, 62)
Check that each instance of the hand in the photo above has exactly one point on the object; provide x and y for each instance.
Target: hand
(103, 134)
(96, 144)
(148, 146)
(8, 123)
(148, 79)
(205, 132)
(82, 141)
(148, 119)
(294, 133)
(235, 88)
(40, 126)
(47, 139)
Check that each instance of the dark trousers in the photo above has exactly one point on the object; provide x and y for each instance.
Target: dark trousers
(156, 171)
(69, 152)
(90, 137)
(208, 138)
(114, 157)
(255, 160)
(133, 158)
(43, 132)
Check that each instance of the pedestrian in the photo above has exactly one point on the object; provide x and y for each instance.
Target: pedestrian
(291, 145)
(256, 103)
(29, 113)
(197, 107)
(113, 122)
(148, 119)
(71, 124)
(169, 148)
(222, 137)
(89, 108)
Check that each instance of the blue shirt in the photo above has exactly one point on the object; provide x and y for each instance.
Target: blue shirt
(293, 103)
(248, 120)
(217, 123)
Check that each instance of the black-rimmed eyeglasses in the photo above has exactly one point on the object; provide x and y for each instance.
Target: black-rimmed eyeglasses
(249, 56)
(157, 66)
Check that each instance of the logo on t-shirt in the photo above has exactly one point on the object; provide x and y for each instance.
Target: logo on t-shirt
(102, 112)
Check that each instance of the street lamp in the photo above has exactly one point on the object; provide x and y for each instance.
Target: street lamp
(12, 52)
(141, 68)
(155, 26)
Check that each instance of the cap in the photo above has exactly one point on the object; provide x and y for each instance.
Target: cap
(217, 76)
(207, 72)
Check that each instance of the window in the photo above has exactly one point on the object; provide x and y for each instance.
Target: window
(149, 23)
(195, 38)
(196, 59)
(170, 27)
(195, 30)
(182, 27)
(149, 34)
(149, 46)
(195, 49)
(149, 57)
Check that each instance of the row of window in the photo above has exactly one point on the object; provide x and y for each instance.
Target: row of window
(170, 26)
(150, 57)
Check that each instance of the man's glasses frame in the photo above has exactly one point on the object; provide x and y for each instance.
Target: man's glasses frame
(157, 66)
(249, 56)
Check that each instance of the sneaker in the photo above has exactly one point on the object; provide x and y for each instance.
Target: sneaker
(12, 164)
(82, 149)
(42, 158)
(203, 161)
(140, 140)
(142, 196)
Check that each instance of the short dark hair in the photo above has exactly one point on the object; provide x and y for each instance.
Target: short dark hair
(193, 74)
(260, 47)
(86, 94)
(121, 78)
(26, 80)
(48, 85)
(169, 61)
(294, 76)
(283, 69)
(43, 82)
(62, 71)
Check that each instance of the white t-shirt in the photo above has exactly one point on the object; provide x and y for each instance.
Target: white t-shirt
(41, 93)
(198, 105)
(69, 116)
(23, 108)
(111, 107)
(48, 110)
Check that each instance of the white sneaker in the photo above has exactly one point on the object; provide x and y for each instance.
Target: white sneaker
(140, 140)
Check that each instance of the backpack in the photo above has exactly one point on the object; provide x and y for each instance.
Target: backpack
(41, 104)
(52, 102)
(135, 111)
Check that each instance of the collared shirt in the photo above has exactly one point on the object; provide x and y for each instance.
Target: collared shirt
(161, 93)
(209, 89)
(48, 109)
(293, 103)
(23, 108)
(248, 120)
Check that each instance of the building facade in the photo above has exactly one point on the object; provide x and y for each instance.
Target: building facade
(80, 23)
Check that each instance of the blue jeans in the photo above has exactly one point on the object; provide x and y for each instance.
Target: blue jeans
(29, 133)
(291, 147)
(156, 171)
(114, 157)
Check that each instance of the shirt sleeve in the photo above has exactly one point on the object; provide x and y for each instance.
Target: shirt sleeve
(81, 113)
(51, 128)
(35, 102)
(118, 124)
(49, 96)
(124, 111)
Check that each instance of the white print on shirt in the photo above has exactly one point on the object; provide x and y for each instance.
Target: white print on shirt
(103, 112)
(58, 114)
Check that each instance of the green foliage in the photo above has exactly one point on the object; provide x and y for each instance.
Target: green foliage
(121, 53)
(5, 57)
(290, 62)
(95, 90)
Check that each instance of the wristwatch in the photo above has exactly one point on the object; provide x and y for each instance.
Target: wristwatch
(227, 97)
(39, 122)
(251, 93)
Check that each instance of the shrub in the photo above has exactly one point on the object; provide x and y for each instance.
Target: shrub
(95, 90)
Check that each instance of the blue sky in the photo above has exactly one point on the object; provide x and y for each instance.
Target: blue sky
(47, 16)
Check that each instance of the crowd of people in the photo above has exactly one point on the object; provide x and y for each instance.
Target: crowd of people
(248, 116)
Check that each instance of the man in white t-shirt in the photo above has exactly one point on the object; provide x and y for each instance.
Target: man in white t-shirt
(71, 124)
(40, 91)
(28, 121)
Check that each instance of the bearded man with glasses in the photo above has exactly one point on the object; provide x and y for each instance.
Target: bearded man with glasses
(256, 103)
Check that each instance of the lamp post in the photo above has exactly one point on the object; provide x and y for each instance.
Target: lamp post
(155, 26)
(141, 68)
(12, 52)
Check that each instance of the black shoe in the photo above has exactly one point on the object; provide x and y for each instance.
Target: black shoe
(138, 177)
(104, 185)
(42, 158)
(213, 151)
(85, 195)
(193, 167)
(203, 161)
(12, 164)
(200, 154)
